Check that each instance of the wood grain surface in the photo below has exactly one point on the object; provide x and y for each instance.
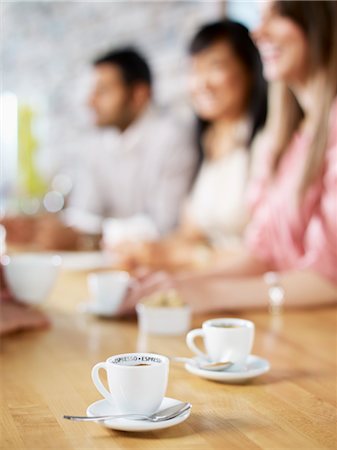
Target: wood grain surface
(45, 374)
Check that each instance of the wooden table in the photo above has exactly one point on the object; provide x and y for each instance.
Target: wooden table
(45, 374)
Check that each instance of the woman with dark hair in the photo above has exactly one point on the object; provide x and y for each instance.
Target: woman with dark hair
(290, 252)
(228, 95)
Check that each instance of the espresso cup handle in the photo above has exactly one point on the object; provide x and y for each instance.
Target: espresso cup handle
(98, 383)
(190, 341)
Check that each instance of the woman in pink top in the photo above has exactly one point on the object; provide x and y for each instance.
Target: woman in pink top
(291, 240)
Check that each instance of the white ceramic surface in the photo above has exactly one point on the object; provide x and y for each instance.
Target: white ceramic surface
(102, 407)
(255, 366)
(108, 290)
(224, 344)
(163, 320)
(31, 276)
(134, 389)
(136, 228)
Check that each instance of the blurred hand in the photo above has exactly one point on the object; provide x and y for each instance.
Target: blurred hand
(46, 232)
(15, 317)
(128, 255)
(144, 285)
(169, 254)
(19, 229)
(52, 234)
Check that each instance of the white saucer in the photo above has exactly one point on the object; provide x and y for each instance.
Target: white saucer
(102, 407)
(256, 366)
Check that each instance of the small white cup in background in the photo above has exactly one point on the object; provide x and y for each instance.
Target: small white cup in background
(31, 276)
(137, 382)
(108, 290)
(224, 344)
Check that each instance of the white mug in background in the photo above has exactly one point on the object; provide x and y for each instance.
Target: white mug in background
(137, 382)
(225, 339)
(31, 276)
(108, 289)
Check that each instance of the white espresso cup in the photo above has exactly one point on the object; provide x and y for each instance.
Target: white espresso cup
(224, 340)
(137, 382)
(108, 289)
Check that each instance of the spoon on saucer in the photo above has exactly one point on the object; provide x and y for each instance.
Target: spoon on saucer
(217, 366)
(159, 416)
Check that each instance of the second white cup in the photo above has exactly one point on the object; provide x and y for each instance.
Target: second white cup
(108, 289)
(225, 339)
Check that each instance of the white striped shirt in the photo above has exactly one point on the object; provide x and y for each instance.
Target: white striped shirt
(146, 170)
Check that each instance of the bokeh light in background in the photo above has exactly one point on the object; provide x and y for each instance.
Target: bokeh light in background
(62, 183)
(53, 201)
(46, 54)
(30, 206)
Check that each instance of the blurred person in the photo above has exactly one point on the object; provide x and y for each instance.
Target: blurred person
(290, 252)
(145, 167)
(228, 95)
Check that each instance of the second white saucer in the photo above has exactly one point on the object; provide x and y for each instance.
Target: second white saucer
(103, 407)
(255, 367)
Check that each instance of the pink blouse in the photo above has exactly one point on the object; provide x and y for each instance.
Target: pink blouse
(290, 236)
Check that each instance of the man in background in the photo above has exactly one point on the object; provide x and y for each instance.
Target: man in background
(144, 168)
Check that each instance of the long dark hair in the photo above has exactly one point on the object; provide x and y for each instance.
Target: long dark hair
(132, 64)
(238, 37)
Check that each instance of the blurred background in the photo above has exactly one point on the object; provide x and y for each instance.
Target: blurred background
(46, 54)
